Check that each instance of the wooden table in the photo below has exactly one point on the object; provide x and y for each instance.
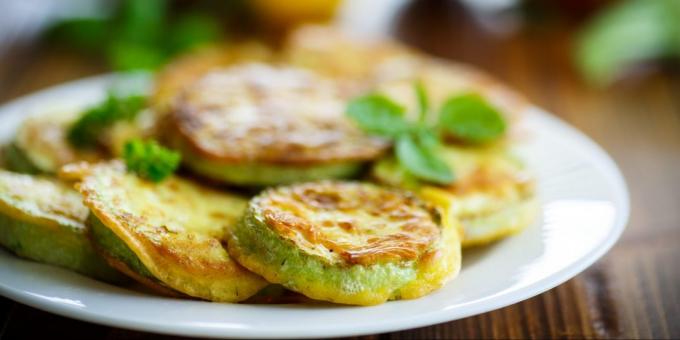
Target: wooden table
(633, 292)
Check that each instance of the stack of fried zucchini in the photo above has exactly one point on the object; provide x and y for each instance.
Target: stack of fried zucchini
(333, 216)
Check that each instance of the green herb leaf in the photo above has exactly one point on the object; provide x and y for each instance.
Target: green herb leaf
(193, 30)
(83, 33)
(423, 101)
(124, 55)
(471, 118)
(625, 33)
(150, 160)
(87, 130)
(141, 34)
(414, 154)
(141, 22)
(379, 115)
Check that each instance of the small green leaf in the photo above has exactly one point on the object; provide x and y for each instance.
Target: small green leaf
(423, 101)
(89, 34)
(471, 118)
(126, 56)
(192, 30)
(150, 160)
(625, 33)
(86, 131)
(379, 115)
(141, 22)
(421, 160)
(427, 137)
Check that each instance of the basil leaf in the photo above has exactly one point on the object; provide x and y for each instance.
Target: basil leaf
(421, 160)
(471, 118)
(379, 115)
(423, 101)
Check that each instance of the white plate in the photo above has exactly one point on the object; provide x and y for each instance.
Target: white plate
(584, 210)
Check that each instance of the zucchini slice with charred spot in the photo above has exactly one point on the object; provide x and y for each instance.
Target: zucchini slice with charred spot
(493, 195)
(256, 124)
(43, 220)
(169, 234)
(346, 242)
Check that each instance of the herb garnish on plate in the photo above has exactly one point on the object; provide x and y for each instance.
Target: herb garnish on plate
(150, 160)
(466, 117)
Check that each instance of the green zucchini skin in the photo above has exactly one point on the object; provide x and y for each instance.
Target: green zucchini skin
(63, 245)
(105, 239)
(261, 174)
(258, 175)
(285, 264)
(16, 160)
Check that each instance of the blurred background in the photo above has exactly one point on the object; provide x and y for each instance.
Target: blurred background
(605, 40)
(611, 68)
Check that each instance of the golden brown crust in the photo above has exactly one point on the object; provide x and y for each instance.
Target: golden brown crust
(352, 222)
(490, 180)
(186, 69)
(42, 200)
(357, 63)
(173, 227)
(43, 140)
(274, 115)
(363, 64)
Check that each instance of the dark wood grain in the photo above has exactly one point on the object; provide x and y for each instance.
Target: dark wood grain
(631, 293)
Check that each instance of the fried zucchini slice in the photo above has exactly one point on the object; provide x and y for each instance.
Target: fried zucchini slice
(257, 124)
(43, 220)
(357, 63)
(493, 195)
(186, 69)
(361, 65)
(145, 125)
(167, 233)
(40, 145)
(346, 242)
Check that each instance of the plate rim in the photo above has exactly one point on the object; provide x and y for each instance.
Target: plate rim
(501, 299)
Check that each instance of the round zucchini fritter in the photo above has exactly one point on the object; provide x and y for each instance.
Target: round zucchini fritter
(41, 147)
(262, 125)
(183, 71)
(493, 195)
(362, 64)
(43, 220)
(357, 63)
(170, 232)
(346, 242)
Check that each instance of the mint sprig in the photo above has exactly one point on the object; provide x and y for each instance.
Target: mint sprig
(468, 117)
